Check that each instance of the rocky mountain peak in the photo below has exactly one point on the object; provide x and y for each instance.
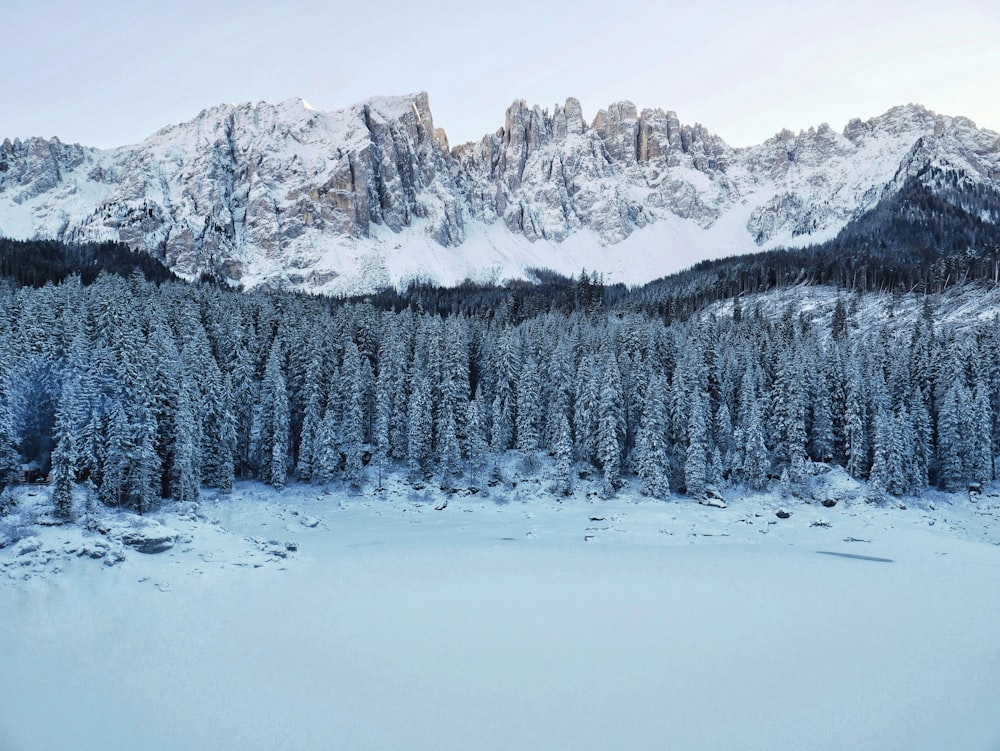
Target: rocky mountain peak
(618, 128)
(899, 121)
(285, 195)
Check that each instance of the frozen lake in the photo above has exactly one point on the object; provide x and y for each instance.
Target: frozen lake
(485, 626)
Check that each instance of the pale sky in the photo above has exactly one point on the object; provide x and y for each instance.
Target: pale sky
(110, 72)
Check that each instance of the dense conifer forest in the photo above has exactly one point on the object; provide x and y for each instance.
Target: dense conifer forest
(37, 262)
(147, 389)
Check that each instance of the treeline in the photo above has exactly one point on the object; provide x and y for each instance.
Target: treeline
(35, 263)
(151, 391)
(512, 301)
(857, 270)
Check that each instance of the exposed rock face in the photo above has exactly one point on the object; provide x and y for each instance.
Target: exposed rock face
(287, 196)
(546, 176)
(33, 167)
(262, 185)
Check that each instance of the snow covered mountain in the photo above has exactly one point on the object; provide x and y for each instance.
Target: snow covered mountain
(346, 201)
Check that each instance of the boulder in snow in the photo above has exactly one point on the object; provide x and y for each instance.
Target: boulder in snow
(144, 535)
(100, 549)
(276, 548)
(27, 545)
(713, 498)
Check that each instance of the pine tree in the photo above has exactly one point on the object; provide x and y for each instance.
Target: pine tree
(353, 425)
(557, 387)
(218, 447)
(398, 341)
(821, 431)
(837, 385)
(383, 420)
(115, 456)
(64, 457)
(245, 399)
(326, 449)
(838, 324)
(144, 478)
(756, 462)
(419, 452)
(10, 458)
(979, 438)
(611, 427)
(528, 410)
(449, 452)
(274, 418)
(431, 355)
(631, 405)
(158, 383)
(563, 448)
(502, 430)
(507, 360)
(856, 427)
(478, 438)
(185, 474)
(723, 439)
(883, 473)
(696, 459)
(789, 416)
(905, 476)
(651, 460)
(949, 440)
(87, 406)
(8, 502)
(456, 388)
(920, 420)
(587, 411)
(312, 416)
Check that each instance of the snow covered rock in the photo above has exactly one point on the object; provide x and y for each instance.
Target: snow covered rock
(276, 548)
(110, 552)
(713, 498)
(142, 534)
(26, 546)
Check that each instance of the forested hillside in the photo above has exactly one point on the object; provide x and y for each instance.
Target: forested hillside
(146, 391)
(36, 262)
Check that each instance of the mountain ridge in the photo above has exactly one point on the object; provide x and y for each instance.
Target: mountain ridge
(346, 201)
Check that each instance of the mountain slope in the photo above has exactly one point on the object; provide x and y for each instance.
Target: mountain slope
(347, 201)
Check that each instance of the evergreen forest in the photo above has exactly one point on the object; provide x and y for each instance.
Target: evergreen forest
(145, 388)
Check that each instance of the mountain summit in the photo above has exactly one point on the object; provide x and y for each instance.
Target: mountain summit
(346, 201)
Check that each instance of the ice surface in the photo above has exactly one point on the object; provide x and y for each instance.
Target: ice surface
(513, 621)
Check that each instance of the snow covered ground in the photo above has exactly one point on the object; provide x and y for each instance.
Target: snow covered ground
(310, 619)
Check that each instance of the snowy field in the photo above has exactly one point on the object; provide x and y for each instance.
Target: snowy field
(320, 620)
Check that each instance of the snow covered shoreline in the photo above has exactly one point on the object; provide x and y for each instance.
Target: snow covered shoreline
(496, 622)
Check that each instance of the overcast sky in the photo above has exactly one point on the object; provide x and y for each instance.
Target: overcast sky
(110, 72)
